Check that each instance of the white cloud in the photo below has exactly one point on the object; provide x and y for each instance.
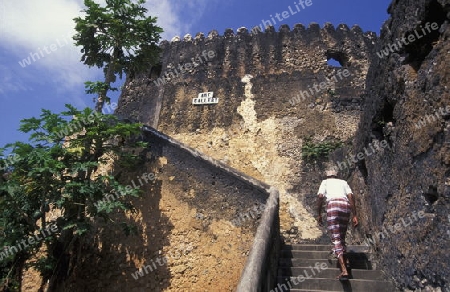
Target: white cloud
(41, 32)
(37, 23)
(170, 15)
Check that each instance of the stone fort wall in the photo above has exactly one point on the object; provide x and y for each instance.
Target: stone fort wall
(274, 90)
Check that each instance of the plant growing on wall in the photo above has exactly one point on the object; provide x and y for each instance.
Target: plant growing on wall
(312, 151)
(118, 38)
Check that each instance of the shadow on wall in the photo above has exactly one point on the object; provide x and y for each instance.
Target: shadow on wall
(193, 199)
(117, 249)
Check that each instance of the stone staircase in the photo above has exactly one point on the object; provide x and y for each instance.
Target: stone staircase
(310, 267)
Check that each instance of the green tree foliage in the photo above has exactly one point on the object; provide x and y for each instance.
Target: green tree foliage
(55, 172)
(118, 38)
(313, 151)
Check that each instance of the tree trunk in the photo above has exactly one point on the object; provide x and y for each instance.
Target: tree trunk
(109, 78)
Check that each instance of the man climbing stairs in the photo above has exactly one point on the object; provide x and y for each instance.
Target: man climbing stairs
(309, 267)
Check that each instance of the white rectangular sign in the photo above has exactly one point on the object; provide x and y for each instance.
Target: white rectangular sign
(205, 98)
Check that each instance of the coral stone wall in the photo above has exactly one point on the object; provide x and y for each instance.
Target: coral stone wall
(406, 105)
(274, 89)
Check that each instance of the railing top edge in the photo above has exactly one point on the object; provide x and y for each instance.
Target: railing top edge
(211, 161)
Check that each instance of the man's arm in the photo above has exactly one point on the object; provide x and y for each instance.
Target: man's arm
(351, 198)
(320, 200)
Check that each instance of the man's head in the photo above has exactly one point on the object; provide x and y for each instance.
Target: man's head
(331, 172)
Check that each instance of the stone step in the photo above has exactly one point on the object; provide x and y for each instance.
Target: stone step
(326, 284)
(306, 254)
(354, 264)
(287, 272)
(305, 262)
(325, 247)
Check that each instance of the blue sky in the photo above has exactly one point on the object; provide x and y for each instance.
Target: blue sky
(44, 28)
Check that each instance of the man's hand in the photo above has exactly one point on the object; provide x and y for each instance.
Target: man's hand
(319, 220)
(355, 221)
(320, 200)
(351, 198)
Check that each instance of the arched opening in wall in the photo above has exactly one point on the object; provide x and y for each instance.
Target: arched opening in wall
(336, 58)
(333, 62)
(424, 37)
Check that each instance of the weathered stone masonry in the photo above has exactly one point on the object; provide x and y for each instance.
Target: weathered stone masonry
(254, 128)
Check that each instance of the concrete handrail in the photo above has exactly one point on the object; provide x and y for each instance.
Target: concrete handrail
(260, 270)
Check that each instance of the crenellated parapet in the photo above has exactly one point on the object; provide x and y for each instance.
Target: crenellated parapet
(283, 63)
(267, 52)
(312, 31)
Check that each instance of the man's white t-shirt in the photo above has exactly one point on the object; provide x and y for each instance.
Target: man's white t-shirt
(334, 188)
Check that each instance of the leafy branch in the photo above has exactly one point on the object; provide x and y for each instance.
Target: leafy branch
(117, 37)
(62, 175)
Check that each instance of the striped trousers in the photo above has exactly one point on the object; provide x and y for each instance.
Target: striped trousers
(338, 216)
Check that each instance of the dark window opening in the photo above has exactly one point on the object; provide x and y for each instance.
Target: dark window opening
(384, 116)
(155, 71)
(363, 169)
(431, 195)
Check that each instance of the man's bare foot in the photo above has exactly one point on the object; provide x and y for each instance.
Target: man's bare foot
(342, 276)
